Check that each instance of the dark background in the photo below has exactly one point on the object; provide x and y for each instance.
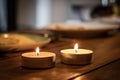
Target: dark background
(11, 14)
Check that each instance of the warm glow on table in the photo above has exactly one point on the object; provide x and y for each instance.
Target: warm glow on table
(5, 35)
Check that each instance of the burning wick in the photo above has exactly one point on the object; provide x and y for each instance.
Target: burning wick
(37, 51)
(76, 51)
(76, 47)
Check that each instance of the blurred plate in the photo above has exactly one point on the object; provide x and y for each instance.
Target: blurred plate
(86, 29)
(110, 20)
(20, 42)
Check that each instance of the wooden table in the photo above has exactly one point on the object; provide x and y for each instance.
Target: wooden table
(105, 63)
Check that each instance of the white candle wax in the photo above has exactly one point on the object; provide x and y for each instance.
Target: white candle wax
(43, 60)
(81, 56)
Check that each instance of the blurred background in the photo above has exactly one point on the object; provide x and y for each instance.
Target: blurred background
(35, 14)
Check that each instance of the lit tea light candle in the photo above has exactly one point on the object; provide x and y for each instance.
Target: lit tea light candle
(76, 56)
(38, 59)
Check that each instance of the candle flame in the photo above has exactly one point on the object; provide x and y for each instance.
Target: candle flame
(76, 47)
(37, 51)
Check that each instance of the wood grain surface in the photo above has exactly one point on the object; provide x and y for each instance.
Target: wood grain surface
(106, 52)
